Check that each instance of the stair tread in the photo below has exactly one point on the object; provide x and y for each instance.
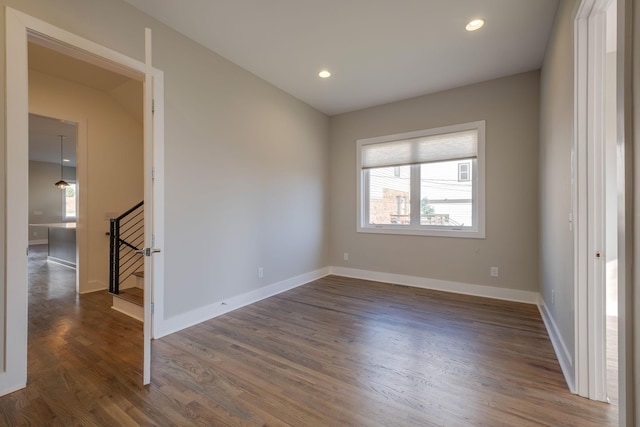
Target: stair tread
(133, 295)
(139, 274)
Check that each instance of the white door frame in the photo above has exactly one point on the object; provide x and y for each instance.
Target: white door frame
(19, 28)
(149, 236)
(588, 199)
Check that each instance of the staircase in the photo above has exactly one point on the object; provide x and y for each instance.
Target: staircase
(130, 300)
(126, 262)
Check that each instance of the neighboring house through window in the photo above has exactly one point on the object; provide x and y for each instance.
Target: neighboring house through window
(464, 170)
(429, 182)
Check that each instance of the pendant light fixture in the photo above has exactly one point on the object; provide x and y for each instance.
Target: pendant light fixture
(62, 184)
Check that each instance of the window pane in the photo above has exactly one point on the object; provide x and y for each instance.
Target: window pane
(70, 201)
(389, 191)
(444, 199)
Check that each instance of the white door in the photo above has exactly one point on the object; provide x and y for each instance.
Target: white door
(153, 200)
(149, 240)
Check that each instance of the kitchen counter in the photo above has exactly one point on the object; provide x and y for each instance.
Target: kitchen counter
(67, 225)
(62, 242)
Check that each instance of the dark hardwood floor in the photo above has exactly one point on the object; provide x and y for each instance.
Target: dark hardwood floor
(334, 352)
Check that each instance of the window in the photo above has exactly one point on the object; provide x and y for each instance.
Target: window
(69, 201)
(429, 182)
(463, 171)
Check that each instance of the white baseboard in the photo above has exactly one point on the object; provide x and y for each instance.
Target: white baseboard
(62, 262)
(177, 323)
(10, 388)
(515, 295)
(560, 347)
(93, 286)
(38, 242)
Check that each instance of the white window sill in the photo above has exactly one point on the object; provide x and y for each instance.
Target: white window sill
(409, 231)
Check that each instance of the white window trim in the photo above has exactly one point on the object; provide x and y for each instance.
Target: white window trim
(478, 171)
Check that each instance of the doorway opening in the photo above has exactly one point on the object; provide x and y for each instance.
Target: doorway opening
(22, 28)
(109, 167)
(53, 190)
(53, 207)
(109, 164)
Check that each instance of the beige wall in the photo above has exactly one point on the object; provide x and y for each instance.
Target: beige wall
(556, 136)
(115, 158)
(246, 166)
(510, 107)
(44, 197)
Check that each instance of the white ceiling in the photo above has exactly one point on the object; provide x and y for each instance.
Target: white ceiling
(379, 51)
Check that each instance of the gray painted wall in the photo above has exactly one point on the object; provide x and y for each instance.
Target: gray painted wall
(556, 136)
(510, 107)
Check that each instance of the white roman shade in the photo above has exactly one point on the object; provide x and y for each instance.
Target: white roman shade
(425, 149)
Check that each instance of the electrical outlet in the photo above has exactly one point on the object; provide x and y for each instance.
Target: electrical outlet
(35, 234)
(346, 256)
(495, 272)
(260, 272)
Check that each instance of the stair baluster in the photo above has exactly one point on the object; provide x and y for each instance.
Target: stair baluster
(126, 238)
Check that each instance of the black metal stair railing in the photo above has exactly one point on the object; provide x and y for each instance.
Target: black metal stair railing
(126, 240)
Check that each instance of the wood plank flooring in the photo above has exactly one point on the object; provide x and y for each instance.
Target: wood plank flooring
(334, 352)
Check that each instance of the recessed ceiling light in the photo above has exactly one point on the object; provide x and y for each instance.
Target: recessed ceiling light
(324, 74)
(476, 24)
